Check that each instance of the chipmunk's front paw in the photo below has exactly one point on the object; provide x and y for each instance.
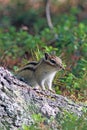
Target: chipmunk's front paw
(51, 90)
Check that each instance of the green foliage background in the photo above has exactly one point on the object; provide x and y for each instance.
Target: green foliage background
(21, 45)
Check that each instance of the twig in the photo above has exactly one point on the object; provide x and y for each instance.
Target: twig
(49, 21)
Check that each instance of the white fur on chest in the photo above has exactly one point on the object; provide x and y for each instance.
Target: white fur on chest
(51, 76)
(47, 81)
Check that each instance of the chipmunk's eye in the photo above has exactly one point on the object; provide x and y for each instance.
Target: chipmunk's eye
(52, 61)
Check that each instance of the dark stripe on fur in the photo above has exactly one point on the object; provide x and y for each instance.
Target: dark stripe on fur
(32, 63)
(28, 68)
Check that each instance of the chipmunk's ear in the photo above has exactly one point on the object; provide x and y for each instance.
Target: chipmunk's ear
(46, 56)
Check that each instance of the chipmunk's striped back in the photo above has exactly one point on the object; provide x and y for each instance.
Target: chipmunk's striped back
(29, 66)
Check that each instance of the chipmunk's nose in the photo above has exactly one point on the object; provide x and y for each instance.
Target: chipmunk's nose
(62, 67)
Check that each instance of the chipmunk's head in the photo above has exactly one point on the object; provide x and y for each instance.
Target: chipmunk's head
(54, 61)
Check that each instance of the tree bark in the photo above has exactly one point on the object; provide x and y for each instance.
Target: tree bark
(18, 101)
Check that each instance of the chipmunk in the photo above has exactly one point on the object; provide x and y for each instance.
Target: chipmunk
(41, 74)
